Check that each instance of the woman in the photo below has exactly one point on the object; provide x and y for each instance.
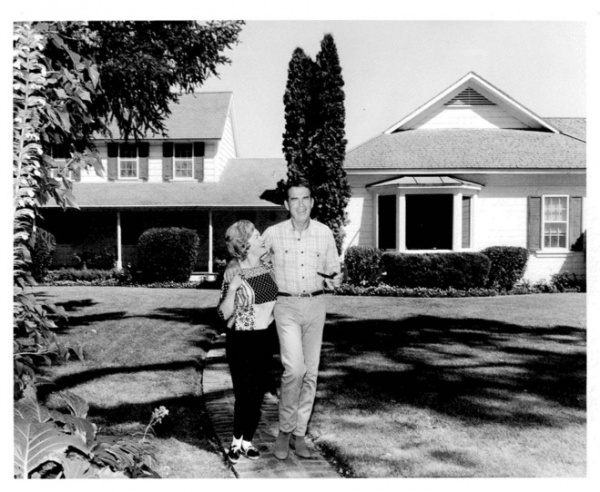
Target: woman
(247, 304)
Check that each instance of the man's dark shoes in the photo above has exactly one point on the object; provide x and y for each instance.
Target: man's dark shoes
(282, 445)
(250, 452)
(233, 454)
(298, 444)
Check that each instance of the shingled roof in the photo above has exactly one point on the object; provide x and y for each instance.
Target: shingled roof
(475, 149)
(200, 115)
(242, 185)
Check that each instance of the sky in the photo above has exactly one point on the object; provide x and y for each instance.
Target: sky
(390, 68)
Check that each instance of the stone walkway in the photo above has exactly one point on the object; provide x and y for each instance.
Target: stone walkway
(218, 393)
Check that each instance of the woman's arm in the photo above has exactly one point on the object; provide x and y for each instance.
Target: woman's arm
(227, 305)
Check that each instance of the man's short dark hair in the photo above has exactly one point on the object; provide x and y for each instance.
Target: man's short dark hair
(297, 183)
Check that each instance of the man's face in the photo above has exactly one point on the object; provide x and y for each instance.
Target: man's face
(299, 203)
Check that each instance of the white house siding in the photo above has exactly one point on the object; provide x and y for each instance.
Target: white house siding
(468, 117)
(224, 151)
(360, 229)
(155, 163)
(499, 215)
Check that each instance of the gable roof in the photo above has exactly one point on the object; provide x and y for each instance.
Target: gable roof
(471, 149)
(538, 143)
(200, 116)
(245, 183)
(485, 92)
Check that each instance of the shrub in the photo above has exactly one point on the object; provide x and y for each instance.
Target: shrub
(565, 282)
(363, 265)
(98, 259)
(43, 244)
(167, 254)
(507, 265)
(436, 270)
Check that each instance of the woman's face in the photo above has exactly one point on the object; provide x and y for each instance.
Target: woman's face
(257, 244)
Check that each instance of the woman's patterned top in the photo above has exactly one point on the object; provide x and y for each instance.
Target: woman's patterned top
(254, 299)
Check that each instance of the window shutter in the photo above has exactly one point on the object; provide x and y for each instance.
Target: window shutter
(112, 166)
(167, 161)
(466, 221)
(143, 151)
(534, 223)
(199, 161)
(575, 219)
(76, 173)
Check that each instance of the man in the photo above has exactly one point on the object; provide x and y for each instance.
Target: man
(304, 258)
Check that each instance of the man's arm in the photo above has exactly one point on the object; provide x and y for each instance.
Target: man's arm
(332, 262)
(231, 270)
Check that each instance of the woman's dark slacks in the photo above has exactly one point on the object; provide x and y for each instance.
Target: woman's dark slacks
(248, 355)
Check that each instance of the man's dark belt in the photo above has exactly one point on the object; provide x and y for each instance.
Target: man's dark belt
(306, 294)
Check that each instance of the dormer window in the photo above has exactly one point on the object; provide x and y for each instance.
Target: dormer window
(183, 161)
(128, 161)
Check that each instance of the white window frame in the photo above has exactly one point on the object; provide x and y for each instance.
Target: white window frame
(121, 160)
(60, 162)
(179, 160)
(566, 247)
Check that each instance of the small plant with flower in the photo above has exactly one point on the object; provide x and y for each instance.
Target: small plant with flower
(157, 416)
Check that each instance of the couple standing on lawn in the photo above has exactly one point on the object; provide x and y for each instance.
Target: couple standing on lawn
(280, 275)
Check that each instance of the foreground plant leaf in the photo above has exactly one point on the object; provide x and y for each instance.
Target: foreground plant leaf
(37, 443)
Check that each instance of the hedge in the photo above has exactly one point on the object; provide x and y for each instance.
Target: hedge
(167, 254)
(508, 265)
(436, 270)
(362, 265)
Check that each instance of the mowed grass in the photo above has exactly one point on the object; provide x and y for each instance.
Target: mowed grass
(478, 387)
(144, 348)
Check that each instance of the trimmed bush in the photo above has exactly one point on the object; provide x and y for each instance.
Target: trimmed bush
(569, 282)
(97, 259)
(167, 254)
(77, 275)
(507, 265)
(436, 270)
(362, 265)
(43, 245)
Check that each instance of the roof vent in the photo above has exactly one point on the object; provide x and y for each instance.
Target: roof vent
(469, 97)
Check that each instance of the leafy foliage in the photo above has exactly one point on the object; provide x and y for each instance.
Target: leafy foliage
(314, 142)
(508, 265)
(436, 270)
(53, 444)
(363, 265)
(140, 62)
(42, 245)
(167, 254)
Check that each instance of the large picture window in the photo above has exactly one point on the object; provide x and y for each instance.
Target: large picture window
(555, 222)
(429, 221)
(387, 221)
(183, 161)
(128, 161)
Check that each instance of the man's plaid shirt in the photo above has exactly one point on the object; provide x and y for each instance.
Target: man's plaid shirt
(298, 256)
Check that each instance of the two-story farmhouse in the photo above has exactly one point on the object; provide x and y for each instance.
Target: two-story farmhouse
(469, 169)
(192, 179)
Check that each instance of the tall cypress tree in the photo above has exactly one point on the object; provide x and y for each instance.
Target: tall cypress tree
(314, 142)
(299, 113)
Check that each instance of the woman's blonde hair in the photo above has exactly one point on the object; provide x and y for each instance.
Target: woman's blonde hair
(237, 237)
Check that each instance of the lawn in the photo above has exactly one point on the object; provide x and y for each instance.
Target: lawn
(144, 348)
(477, 387)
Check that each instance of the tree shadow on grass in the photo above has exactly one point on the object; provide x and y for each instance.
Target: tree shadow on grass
(472, 369)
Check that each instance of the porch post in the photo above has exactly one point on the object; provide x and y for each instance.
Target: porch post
(457, 222)
(210, 242)
(401, 222)
(119, 252)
